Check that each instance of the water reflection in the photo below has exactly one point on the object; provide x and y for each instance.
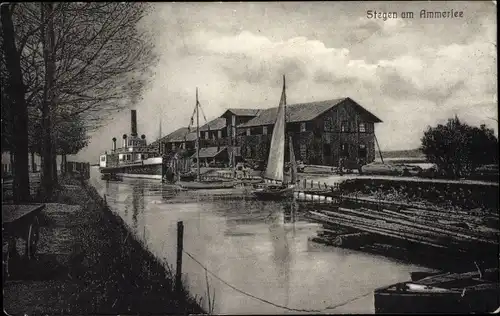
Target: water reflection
(137, 202)
(282, 256)
(258, 247)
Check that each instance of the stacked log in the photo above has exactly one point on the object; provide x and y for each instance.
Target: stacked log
(463, 233)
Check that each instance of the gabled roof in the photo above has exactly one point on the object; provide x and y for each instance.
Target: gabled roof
(302, 112)
(209, 152)
(180, 135)
(243, 112)
(215, 125)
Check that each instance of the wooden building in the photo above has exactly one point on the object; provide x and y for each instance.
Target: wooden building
(213, 157)
(182, 138)
(217, 136)
(324, 133)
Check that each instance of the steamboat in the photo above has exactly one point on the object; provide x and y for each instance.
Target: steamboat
(134, 159)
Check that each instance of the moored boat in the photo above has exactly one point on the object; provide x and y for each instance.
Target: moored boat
(192, 180)
(134, 159)
(472, 292)
(276, 186)
(111, 177)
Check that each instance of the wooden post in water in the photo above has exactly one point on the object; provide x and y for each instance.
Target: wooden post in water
(178, 268)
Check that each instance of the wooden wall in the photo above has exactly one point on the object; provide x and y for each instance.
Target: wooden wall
(321, 143)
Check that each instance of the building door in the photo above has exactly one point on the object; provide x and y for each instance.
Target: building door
(327, 154)
(362, 151)
(362, 155)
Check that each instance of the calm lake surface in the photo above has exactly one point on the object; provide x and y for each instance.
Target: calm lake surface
(247, 244)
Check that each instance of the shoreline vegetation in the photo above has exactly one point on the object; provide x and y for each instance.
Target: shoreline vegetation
(89, 262)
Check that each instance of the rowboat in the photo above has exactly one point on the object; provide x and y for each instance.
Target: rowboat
(471, 292)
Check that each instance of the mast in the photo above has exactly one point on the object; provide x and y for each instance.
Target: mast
(159, 132)
(197, 136)
(284, 127)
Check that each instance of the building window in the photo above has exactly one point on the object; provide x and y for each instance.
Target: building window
(264, 130)
(362, 151)
(303, 152)
(362, 128)
(327, 124)
(327, 150)
(248, 132)
(344, 127)
(219, 134)
(344, 150)
(303, 126)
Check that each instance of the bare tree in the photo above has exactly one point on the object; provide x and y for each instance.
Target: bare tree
(15, 98)
(79, 61)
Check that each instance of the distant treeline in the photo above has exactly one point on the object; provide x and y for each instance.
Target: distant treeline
(409, 153)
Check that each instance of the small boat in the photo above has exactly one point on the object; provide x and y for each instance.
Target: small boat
(111, 177)
(269, 191)
(192, 180)
(250, 181)
(275, 185)
(187, 176)
(202, 185)
(472, 292)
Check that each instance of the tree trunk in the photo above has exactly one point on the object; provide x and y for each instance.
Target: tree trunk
(54, 169)
(33, 165)
(63, 164)
(12, 163)
(15, 89)
(55, 178)
(48, 99)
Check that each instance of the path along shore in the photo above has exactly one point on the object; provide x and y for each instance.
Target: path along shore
(88, 263)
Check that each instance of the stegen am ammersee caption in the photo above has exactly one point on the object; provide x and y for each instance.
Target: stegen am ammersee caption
(423, 14)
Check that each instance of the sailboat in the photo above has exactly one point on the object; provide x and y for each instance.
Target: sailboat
(187, 181)
(276, 185)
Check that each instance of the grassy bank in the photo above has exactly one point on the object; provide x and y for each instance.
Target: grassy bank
(103, 269)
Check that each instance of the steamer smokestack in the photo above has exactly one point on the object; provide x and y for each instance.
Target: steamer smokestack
(114, 143)
(124, 144)
(133, 123)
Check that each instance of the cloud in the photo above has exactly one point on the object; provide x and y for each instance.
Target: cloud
(410, 73)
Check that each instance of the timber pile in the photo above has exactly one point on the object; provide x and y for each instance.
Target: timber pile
(459, 232)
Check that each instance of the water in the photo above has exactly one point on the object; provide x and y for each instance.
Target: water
(247, 244)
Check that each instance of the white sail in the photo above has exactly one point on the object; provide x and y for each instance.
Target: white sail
(293, 163)
(276, 159)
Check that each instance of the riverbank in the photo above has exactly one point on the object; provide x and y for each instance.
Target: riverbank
(88, 262)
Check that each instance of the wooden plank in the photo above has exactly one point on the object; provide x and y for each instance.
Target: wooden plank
(14, 212)
(394, 228)
(433, 228)
(450, 228)
(383, 232)
(382, 222)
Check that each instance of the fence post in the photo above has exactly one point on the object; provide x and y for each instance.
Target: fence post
(178, 268)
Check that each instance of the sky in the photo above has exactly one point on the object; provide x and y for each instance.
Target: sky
(411, 73)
